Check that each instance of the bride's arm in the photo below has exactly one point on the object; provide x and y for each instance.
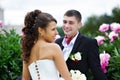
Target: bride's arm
(61, 64)
(25, 72)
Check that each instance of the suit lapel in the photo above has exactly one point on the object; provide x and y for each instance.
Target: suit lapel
(77, 43)
(60, 43)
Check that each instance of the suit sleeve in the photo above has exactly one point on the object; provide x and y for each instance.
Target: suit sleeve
(94, 60)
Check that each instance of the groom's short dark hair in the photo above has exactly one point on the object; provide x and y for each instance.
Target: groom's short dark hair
(75, 13)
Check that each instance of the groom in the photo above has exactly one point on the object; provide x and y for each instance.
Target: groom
(75, 44)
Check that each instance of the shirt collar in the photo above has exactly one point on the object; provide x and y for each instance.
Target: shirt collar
(72, 41)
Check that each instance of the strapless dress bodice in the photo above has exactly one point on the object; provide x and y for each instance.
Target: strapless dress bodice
(46, 68)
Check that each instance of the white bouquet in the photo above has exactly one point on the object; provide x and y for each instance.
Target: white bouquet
(77, 75)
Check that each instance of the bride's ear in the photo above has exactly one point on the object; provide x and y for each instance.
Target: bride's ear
(40, 30)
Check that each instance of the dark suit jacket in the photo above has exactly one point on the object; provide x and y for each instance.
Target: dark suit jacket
(90, 56)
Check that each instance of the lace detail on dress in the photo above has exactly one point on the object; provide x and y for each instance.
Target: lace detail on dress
(37, 71)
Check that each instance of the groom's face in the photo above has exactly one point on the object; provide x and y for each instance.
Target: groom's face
(70, 25)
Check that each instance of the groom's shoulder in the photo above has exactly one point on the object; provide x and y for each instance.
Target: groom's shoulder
(87, 38)
(59, 40)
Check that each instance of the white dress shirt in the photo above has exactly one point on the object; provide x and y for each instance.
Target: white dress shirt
(68, 47)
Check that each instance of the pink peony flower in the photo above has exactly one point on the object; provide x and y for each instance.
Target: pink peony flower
(100, 39)
(1, 24)
(104, 60)
(104, 27)
(115, 27)
(113, 35)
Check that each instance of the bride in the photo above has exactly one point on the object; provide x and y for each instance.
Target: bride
(42, 59)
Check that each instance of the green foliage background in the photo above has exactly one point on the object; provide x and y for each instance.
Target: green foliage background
(10, 61)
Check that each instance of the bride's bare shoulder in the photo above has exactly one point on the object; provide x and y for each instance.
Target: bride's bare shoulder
(54, 46)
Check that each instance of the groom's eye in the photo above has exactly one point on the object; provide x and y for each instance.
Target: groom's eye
(71, 22)
(64, 21)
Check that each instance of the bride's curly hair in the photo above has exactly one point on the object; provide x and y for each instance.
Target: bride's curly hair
(32, 21)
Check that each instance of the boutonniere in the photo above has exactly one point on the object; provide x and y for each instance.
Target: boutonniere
(77, 75)
(76, 57)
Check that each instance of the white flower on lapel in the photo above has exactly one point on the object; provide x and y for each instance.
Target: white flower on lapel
(76, 56)
(77, 75)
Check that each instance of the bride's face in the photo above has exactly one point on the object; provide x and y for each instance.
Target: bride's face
(49, 34)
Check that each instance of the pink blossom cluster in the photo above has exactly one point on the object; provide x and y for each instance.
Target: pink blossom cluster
(111, 32)
(114, 28)
(100, 39)
(1, 24)
(104, 60)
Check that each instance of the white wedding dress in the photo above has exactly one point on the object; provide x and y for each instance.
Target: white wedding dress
(47, 70)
